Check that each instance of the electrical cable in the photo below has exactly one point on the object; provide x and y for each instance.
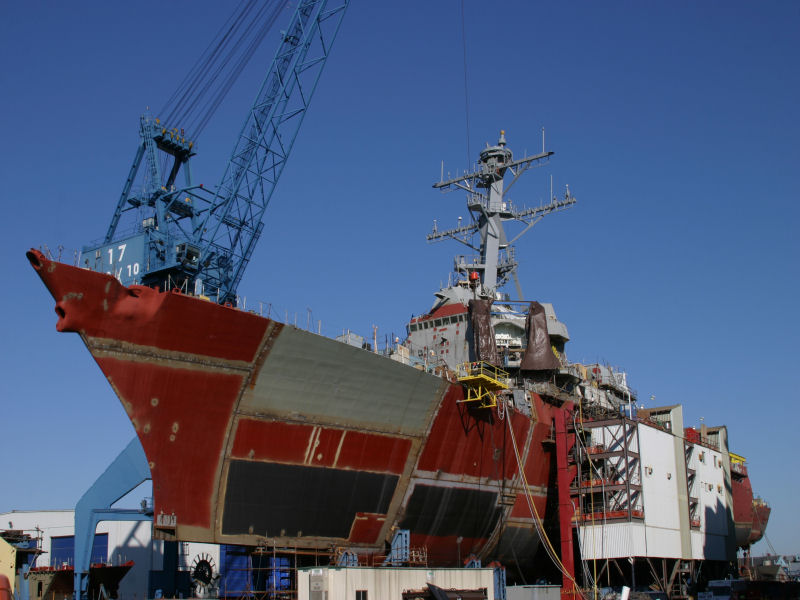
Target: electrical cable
(466, 87)
(764, 532)
(539, 526)
(582, 444)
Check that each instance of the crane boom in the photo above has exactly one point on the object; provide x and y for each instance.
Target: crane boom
(189, 235)
(266, 140)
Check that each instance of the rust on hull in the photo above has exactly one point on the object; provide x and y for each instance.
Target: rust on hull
(284, 437)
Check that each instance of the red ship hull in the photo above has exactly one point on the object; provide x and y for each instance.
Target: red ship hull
(750, 516)
(760, 512)
(284, 437)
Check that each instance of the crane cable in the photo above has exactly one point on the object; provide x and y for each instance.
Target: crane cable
(269, 19)
(183, 93)
(202, 90)
(548, 546)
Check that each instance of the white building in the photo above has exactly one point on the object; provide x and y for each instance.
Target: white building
(116, 542)
(648, 492)
(386, 583)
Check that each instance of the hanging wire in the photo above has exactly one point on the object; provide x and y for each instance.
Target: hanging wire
(592, 578)
(466, 87)
(537, 521)
(229, 71)
(764, 530)
(207, 83)
(182, 93)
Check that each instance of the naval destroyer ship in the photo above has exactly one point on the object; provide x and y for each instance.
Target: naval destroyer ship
(475, 434)
(258, 432)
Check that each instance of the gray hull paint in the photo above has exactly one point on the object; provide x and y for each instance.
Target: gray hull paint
(310, 378)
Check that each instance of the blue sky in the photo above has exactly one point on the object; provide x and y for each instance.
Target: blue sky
(675, 125)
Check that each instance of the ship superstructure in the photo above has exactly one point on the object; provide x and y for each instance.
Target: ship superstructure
(436, 336)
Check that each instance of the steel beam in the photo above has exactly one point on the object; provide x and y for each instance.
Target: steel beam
(126, 473)
(564, 444)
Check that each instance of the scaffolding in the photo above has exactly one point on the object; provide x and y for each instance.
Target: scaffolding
(692, 486)
(608, 482)
(607, 489)
(271, 573)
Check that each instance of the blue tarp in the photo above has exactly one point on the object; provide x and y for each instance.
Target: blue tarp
(236, 570)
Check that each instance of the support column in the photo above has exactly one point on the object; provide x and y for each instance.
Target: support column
(566, 510)
(127, 471)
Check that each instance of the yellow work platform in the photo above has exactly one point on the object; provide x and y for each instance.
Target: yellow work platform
(737, 458)
(482, 382)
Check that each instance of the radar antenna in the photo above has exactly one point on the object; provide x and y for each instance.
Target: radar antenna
(489, 209)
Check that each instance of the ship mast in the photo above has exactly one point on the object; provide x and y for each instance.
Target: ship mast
(489, 209)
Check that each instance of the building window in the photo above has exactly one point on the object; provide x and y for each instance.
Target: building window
(62, 549)
(361, 594)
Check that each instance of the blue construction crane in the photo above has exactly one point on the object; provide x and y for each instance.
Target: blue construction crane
(197, 239)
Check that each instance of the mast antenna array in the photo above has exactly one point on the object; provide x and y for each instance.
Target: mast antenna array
(489, 209)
